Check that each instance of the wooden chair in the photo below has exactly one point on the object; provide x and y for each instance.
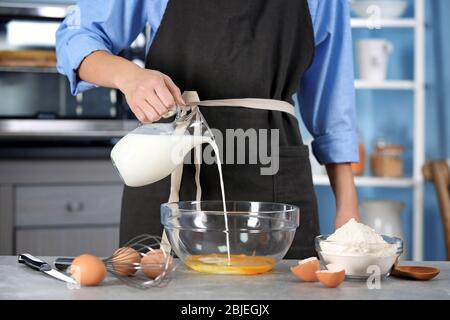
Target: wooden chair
(438, 172)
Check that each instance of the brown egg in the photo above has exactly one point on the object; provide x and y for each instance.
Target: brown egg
(153, 263)
(332, 277)
(306, 269)
(125, 260)
(88, 270)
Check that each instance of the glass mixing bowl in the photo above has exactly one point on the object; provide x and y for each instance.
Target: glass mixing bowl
(259, 234)
(360, 261)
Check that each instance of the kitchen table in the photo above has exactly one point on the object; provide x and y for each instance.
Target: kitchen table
(20, 282)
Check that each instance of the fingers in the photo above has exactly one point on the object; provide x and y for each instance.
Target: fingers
(151, 114)
(140, 115)
(156, 104)
(162, 99)
(165, 96)
(174, 90)
(152, 95)
(143, 110)
(148, 103)
(145, 114)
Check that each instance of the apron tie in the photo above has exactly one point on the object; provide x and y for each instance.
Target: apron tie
(190, 97)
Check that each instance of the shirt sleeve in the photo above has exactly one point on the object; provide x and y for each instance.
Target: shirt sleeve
(326, 95)
(108, 25)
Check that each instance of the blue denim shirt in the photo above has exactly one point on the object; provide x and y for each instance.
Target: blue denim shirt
(326, 93)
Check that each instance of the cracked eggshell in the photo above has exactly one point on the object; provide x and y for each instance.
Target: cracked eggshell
(332, 277)
(306, 269)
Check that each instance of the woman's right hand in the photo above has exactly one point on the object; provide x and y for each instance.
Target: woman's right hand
(150, 94)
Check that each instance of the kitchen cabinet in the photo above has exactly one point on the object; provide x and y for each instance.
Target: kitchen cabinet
(66, 205)
(59, 207)
(64, 241)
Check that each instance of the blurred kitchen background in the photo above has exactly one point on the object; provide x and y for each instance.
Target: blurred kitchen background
(59, 194)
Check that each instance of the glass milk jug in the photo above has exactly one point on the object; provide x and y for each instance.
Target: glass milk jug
(151, 152)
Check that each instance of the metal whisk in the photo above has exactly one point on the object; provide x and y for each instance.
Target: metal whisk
(143, 262)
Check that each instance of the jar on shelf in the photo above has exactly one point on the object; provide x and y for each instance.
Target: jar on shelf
(387, 160)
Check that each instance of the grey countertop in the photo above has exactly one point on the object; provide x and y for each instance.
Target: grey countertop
(20, 282)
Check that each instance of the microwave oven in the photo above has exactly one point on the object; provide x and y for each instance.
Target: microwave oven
(35, 100)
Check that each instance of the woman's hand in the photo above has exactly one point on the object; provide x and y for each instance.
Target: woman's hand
(150, 94)
(342, 182)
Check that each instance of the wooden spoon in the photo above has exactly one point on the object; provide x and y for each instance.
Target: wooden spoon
(415, 272)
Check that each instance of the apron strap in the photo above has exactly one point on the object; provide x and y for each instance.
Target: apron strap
(192, 99)
(261, 104)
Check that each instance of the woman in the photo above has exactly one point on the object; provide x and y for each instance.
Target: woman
(267, 49)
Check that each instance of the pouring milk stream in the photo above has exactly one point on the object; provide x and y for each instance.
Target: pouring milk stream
(153, 151)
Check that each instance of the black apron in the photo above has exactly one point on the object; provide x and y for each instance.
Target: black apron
(236, 49)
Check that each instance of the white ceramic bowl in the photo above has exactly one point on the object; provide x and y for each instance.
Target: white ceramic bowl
(389, 9)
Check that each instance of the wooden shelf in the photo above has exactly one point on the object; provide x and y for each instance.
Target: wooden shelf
(415, 25)
(384, 23)
(322, 180)
(385, 85)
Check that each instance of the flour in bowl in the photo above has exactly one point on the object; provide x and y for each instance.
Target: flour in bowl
(355, 238)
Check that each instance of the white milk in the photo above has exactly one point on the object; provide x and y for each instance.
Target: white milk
(222, 188)
(142, 159)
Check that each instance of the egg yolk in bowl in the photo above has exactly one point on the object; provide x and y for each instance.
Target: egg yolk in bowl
(238, 264)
